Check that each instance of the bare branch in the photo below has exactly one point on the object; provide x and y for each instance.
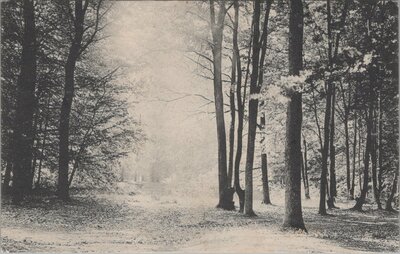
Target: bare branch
(202, 55)
(96, 27)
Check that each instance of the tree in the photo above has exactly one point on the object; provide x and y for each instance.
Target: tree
(253, 109)
(346, 100)
(77, 47)
(256, 79)
(377, 78)
(102, 129)
(361, 200)
(232, 106)
(332, 155)
(26, 84)
(374, 162)
(240, 106)
(329, 124)
(11, 38)
(351, 195)
(293, 211)
(217, 28)
(264, 166)
(96, 140)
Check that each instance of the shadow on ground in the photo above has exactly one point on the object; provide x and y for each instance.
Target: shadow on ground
(131, 223)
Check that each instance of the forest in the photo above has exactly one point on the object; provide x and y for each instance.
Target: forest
(216, 126)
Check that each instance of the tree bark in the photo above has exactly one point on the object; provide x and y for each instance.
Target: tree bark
(23, 132)
(217, 26)
(293, 211)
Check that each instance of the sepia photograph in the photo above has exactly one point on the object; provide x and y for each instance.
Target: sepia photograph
(199, 126)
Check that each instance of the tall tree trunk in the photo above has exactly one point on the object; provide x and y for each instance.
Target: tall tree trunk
(256, 80)
(327, 121)
(34, 163)
(233, 115)
(36, 140)
(217, 26)
(69, 87)
(347, 144)
(332, 54)
(23, 132)
(324, 171)
(37, 184)
(380, 137)
(264, 165)
(332, 155)
(64, 156)
(293, 211)
(231, 138)
(253, 111)
(369, 113)
(328, 194)
(374, 161)
(361, 200)
(240, 103)
(264, 172)
(351, 197)
(302, 172)
(359, 155)
(305, 169)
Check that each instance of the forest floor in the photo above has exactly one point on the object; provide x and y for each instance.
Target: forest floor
(144, 222)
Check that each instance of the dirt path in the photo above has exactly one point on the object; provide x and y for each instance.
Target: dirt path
(140, 223)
